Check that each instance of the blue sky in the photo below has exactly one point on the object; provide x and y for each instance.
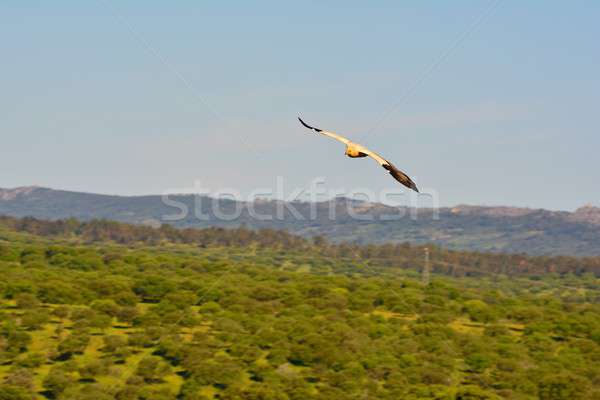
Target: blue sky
(487, 103)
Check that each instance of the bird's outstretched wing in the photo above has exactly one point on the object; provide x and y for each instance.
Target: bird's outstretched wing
(391, 168)
(326, 133)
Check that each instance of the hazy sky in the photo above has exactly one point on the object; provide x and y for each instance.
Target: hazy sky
(486, 103)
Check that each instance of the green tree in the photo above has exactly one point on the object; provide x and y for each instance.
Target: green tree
(57, 380)
(11, 392)
(561, 387)
(26, 301)
(34, 319)
(75, 343)
(152, 369)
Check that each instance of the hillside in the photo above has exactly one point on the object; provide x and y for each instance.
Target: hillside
(104, 310)
(499, 229)
(444, 261)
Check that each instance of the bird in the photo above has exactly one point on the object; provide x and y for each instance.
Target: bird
(355, 150)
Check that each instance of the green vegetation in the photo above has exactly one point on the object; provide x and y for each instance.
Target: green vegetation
(489, 229)
(103, 310)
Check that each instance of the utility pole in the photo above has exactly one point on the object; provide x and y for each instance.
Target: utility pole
(425, 272)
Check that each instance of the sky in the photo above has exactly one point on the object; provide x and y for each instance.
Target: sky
(481, 102)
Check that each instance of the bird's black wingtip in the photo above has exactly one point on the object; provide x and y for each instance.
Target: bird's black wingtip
(308, 126)
(401, 177)
(413, 186)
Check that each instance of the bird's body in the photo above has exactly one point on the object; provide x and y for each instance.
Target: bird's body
(355, 150)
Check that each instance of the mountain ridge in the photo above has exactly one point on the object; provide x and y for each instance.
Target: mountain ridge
(463, 227)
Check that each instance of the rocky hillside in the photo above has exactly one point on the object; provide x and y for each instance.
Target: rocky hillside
(502, 229)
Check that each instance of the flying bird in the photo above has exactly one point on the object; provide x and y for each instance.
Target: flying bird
(355, 150)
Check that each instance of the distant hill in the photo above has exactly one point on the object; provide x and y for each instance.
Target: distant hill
(499, 229)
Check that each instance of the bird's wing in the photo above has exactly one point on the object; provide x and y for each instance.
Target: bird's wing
(391, 168)
(326, 133)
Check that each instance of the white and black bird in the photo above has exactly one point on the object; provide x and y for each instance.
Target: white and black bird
(355, 150)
